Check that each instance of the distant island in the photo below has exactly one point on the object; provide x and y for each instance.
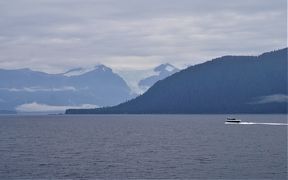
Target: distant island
(229, 84)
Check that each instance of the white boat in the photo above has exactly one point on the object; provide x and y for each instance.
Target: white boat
(233, 120)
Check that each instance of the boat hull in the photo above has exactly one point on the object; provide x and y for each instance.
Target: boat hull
(233, 121)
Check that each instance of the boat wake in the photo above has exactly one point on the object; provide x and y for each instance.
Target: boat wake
(255, 123)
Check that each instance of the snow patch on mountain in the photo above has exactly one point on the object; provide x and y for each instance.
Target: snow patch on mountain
(160, 72)
(81, 70)
(170, 68)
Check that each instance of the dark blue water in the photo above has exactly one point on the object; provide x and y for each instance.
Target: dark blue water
(144, 146)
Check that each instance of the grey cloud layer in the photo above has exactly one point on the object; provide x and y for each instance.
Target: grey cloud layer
(53, 35)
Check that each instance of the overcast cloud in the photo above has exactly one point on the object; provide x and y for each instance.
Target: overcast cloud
(56, 35)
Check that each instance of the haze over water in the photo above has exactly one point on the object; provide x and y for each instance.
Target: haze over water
(143, 146)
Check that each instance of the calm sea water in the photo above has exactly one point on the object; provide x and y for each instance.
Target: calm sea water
(143, 146)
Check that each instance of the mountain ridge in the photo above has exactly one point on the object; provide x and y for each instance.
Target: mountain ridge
(99, 86)
(162, 71)
(229, 84)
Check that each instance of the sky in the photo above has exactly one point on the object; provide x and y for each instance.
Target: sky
(135, 35)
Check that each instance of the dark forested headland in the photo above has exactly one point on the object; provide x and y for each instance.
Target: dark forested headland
(229, 84)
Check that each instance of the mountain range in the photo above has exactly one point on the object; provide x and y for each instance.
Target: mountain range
(28, 90)
(229, 84)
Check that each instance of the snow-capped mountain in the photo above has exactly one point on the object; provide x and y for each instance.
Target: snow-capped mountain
(161, 72)
(22, 89)
(80, 71)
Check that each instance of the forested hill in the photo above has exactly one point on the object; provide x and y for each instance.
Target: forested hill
(229, 84)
